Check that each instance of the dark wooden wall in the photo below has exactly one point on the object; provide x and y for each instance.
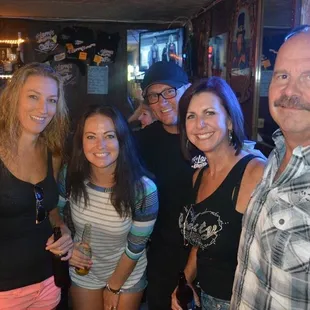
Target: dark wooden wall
(219, 19)
(77, 97)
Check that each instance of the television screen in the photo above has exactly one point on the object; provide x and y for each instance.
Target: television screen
(164, 45)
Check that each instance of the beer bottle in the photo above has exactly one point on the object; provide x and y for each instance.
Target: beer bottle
(184, 293)
(60, 268)
(84, 247)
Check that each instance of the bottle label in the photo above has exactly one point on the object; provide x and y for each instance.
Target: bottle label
(7, 66)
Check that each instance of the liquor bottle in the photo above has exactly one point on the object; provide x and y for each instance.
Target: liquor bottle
(18, 63)
(84, 247)
(8, 67)
(60, 268)
(184, 292)
(1, 67)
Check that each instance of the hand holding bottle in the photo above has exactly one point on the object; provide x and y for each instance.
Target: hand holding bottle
(83, 252)
(183, 294)
(62, 246)
(79, 259)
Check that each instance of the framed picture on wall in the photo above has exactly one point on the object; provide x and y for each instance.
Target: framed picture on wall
(241, 44)
(217, 54)
(3, 53)
(241, 49)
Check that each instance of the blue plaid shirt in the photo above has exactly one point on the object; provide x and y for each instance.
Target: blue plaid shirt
(273, 270)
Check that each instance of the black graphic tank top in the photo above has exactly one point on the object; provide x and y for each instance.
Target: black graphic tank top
(214, 226)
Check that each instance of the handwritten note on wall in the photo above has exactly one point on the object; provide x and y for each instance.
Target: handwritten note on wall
(97, 80)
(266, 76)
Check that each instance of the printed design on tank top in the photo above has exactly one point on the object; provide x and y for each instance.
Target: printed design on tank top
(198, 162)
(200, 233)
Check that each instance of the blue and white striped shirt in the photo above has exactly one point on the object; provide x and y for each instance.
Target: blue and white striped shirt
(112, 235)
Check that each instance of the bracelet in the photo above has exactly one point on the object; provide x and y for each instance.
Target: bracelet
(116, 292)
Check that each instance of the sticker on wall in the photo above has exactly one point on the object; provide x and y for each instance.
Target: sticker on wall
(68, 71)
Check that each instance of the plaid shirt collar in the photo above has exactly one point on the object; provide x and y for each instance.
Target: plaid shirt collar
(279, 150)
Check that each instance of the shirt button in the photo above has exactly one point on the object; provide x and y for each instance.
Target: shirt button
(281, 221)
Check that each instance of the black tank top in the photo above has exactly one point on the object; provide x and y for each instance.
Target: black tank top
(215, 226)
(24, 260)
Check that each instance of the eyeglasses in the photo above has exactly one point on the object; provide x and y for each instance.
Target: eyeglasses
(41, 212)
(169, 93)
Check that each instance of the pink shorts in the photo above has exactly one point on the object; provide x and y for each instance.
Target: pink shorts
(44, 295)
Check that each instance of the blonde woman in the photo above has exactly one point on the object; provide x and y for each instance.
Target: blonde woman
(33, 125)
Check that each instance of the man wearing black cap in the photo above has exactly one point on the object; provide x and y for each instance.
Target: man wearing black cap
(163, 85)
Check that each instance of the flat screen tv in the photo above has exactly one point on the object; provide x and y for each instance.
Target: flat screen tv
(163, 45)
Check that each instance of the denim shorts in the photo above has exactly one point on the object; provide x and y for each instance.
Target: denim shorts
(138, 287)
(211, 303)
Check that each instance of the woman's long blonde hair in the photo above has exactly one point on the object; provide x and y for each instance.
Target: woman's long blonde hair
(54, 135)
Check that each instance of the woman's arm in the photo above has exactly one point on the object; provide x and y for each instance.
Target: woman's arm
(190, 270)
(251, 177)
(64, 244)
(141, 229)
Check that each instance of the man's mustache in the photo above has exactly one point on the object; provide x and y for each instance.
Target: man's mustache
(293, 102)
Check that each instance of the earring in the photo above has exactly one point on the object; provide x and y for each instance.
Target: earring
(230, 137)
(187, 144)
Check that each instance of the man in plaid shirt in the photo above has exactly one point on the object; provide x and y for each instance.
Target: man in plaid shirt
(274, 253)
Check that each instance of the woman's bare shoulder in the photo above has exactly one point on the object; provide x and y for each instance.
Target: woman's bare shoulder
(251, 178)
(255, 169)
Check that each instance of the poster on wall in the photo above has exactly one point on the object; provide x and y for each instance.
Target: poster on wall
(217, 54)
(241, 49)
(97, 80)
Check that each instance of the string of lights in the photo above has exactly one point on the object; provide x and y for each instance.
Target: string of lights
(16, 42)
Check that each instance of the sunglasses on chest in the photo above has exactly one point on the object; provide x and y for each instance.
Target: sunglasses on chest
(41, 212)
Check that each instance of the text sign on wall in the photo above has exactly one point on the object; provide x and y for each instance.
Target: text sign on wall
(266, 76)
(97, 80)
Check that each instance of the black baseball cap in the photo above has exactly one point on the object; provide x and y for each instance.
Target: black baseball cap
(164, 73)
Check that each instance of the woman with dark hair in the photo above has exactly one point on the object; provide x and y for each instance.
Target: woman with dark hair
(109, 189)
(211, 121)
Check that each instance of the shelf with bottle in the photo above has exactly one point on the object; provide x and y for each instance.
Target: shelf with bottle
(11, 58)
(6, 76)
